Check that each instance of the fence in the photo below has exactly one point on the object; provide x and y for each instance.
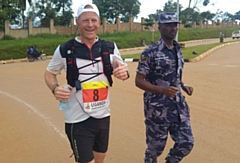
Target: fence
(105, 27)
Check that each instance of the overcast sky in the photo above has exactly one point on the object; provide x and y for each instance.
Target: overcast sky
(150, 6)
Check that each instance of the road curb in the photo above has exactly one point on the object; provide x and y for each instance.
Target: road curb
(132, 49)
(209, 52)
(13, 61)
(194, 41)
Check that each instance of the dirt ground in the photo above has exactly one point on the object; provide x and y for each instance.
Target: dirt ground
(32, 127)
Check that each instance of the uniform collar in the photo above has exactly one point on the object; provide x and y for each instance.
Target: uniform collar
(163, 45)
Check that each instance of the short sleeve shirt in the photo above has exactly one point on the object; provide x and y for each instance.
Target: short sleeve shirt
(75, 112)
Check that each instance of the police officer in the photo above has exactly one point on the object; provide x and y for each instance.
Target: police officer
(159, 74)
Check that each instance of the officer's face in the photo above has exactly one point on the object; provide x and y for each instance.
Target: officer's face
(88, 24)
(168, 30)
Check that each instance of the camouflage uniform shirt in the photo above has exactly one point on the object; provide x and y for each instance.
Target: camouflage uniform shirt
(163, 67)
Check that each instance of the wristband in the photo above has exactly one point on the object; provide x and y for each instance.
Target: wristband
(183, 85)
(54, 86)
(128, 75)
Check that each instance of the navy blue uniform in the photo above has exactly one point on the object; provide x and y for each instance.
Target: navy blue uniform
(163, 67)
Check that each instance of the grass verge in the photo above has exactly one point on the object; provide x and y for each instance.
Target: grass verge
(187, 52)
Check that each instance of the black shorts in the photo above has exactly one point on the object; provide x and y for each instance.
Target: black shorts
(88, 136)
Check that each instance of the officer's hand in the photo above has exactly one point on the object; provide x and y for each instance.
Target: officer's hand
(120, 71)
(188, 90)
(170, 91)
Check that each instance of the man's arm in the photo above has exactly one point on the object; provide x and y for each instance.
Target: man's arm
(187, 89)
(51, 80)
(58, 91)
(141, 83)
(54, 68)
(120, 67)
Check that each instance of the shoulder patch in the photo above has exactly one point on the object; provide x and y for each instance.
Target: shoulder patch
(143, 59)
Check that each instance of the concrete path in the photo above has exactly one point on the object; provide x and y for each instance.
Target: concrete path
(32, 128)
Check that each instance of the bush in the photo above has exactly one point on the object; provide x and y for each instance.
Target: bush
(188, 25)
(7, 37)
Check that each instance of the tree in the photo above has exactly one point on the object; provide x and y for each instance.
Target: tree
(148, 22)
(218, 14)
(204, 2)
(190, 15)
(112, 9)
(22, 4)
(46, 11)
(155, 16)
(225, 16)
(58, 10)
(31, 13)
(14, 11)
(207, 15)
(171, 6)
(187, 14)
(64, 12)
(237, 15)
(9, 10)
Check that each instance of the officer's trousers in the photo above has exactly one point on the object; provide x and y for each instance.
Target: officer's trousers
(156, 138)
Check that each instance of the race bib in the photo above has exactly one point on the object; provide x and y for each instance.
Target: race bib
(95, 96)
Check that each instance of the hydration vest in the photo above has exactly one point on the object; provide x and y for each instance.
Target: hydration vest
(73, 49)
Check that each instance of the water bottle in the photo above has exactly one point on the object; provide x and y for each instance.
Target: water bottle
(63, 105)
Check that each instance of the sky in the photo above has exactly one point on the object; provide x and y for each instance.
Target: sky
(150, 6)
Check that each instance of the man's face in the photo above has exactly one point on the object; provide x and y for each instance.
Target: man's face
(168, 30)
(88, 24)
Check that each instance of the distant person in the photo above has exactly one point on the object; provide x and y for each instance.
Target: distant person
(36, 52)
(89, 63)
(30, 51)
(159, 74)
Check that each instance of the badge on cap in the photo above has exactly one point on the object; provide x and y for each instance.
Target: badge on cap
(168, 17)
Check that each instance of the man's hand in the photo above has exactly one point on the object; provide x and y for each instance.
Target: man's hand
(62, 94)
(121, 71)
(170, 91)
(187, 89)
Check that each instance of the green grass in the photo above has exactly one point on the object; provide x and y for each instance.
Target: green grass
(131, 55)
(187, 52)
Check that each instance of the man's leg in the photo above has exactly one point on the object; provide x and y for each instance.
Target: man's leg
(156, 137)
(181, 134)
(101, 140)
(99, 157)
(156, 133)
(81, 139)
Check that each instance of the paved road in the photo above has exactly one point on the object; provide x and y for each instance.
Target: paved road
(32, 128)
(207, 41)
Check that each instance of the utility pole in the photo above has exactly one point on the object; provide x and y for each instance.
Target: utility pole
(178, 18)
